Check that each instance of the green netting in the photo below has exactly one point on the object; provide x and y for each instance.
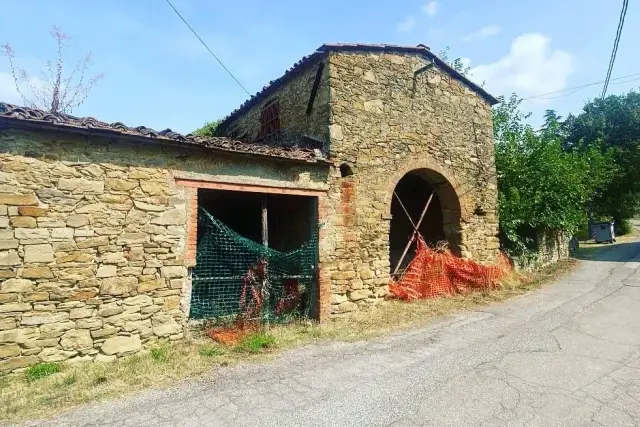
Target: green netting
(236, 278)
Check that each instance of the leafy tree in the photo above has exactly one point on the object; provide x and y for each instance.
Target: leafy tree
(612, 127)
(457, 64)
(208, 129)
(541, 186)
(53, 91)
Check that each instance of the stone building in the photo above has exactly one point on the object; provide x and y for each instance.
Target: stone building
(99, 222)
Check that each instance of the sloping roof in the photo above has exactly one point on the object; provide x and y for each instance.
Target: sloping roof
(354, 47)
(32, 118)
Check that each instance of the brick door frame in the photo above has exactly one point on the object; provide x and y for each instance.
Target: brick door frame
(191, 187)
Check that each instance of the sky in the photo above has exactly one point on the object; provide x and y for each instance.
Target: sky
(157, 74)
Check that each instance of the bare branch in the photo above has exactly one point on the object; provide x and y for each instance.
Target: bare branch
(56, 92)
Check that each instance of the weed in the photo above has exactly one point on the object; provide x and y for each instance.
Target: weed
(255, 343)
(42, 370)
(209, 351)
(70, 379)
(159, 354)
(101, 379)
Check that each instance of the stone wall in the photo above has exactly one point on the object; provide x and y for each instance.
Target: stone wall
(384, 124)
(293, 98)
(93, 234)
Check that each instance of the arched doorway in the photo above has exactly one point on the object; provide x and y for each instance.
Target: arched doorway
(441, 222)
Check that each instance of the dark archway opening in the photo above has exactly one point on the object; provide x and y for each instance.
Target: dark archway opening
(441, 221)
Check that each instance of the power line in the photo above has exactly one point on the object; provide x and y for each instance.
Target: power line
(207, 47)
(574, 89)
(616, 42)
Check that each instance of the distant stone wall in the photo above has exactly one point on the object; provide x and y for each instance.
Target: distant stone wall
(293, 98)
(93, 241)
(385, 123)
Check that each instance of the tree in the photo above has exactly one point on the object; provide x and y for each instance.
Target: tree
(208, 129)
(611, 126)
(457, 64)
(541, 186)
(54, 91)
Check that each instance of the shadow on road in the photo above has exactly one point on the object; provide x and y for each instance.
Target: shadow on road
(620, 252)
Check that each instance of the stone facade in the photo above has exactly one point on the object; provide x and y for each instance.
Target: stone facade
(386, 121)
(293, 99)
(94, 243)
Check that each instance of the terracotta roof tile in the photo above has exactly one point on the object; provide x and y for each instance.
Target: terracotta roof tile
(29, 117)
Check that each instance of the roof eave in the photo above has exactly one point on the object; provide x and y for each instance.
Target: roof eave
(27, 124)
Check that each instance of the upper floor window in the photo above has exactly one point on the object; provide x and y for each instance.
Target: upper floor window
(270, 120)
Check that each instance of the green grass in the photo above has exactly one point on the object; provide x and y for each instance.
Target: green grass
(159, 354)
(42, 370)
(210, 351)
(255, 343)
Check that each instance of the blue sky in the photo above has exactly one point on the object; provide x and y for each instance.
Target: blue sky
(158, 75)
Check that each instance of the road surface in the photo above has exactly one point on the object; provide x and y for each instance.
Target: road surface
(566, 355)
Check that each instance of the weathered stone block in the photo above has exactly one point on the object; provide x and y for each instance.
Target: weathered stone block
(116, 184)
(80, 313)
(8, 244)
(31, 234)
(174, 216)
(53, 354)
(17, 362)
(173, 271)
(80, 185)
(19, 336)
(37, 273)
(93, 242)
(55, 330)
(148, 207)
(118, 285)
(32, 319)
(153, 188)
(107, 331)
(38, 253)
(62, 233)
(16, 285)
(164, 325)
(7, 323)
(121, 345)
(31, 211)
(76, 339)
(24, 222)
(36, 296)
(18, 200)
(76, 221)
(92, 208)
(132, 238)
(14, 307)
(107, 271)
(91, 323)
(110, 309)
(9, 350)
(4, 298)
(8, 258)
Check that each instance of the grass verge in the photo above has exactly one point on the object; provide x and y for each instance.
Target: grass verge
(166, 363)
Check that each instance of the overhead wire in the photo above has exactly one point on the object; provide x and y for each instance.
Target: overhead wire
(575, 89)
(616, 43)
(207, 47)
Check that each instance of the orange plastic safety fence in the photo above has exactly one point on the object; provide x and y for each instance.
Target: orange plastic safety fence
(434, 273)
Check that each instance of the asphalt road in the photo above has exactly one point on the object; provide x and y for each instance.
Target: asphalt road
(567, 355)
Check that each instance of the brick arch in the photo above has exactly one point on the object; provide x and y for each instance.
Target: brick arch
(447, 187)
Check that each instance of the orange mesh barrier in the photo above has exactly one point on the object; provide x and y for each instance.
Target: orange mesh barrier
(434, 273)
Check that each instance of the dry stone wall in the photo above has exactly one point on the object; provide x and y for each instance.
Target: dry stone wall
(92, 242)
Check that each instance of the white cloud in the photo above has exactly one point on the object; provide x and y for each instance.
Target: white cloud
(430, 8)
(407, 25)
(531, 67)
(484, 32)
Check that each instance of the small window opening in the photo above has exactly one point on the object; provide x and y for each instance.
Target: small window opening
(345, 170)
(270, 120)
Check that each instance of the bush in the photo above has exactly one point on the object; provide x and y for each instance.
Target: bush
(42, 370)
(623, 227)
(255, 343)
